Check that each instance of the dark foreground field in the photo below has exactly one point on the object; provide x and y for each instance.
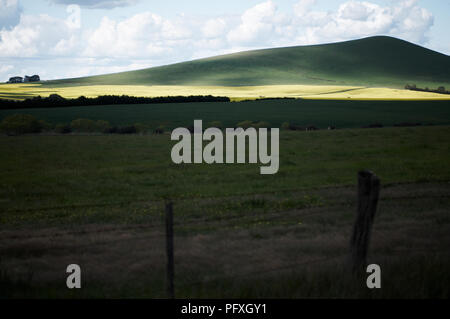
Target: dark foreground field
(98, 201)
(321, 113)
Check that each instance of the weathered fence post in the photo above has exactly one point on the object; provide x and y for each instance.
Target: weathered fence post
(169, 250)
(368, 193)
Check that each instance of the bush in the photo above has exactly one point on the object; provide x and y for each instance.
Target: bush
(63, 129)
(55, 98)
(216, 124)
(102, 126)
(127, 130)
(83, 125)
(159, 130)
(141, 128)
(245, 124)
(295, 127)
(17, 124)
(45, 126)
(262, 124)
(285, 126)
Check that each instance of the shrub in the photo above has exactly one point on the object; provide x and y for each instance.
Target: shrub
(141, 128)
(295, 127)
(245, 124)
(102, 126)
(159, 130)
(127, 130)
(216, 124)
(56, 98)
(17, 124)
(407, 124)
(83, 125)
(262, 124)
(111, 130)
(312, 128)
(45, 126)
(63, 129)
(285, 126)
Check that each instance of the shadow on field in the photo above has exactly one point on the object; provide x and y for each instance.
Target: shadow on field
(289, 245)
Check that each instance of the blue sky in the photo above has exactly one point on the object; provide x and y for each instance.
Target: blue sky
(71, 38)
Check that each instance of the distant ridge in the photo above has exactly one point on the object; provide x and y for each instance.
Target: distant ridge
(375, 61)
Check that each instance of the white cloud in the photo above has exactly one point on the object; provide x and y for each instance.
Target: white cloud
(303, 6)
(263, 26)
(98, 4)
(359, 11)
(256, 22)
(143, 35)
(38, 35)
(412, 22)
(5, 71)
(214, 28)
(10, 11)
(355, 19)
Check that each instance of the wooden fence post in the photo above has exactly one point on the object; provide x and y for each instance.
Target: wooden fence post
(368, 193)
(169, 250)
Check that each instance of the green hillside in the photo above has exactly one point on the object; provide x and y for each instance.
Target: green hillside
(376, 61)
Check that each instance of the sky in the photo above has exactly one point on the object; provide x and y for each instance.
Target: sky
(73, 38)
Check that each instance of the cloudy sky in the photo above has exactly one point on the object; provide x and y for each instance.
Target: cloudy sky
(71, 38)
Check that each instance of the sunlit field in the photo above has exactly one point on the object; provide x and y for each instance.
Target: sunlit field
(235, 93)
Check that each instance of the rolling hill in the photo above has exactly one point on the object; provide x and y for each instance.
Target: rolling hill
(375, 61)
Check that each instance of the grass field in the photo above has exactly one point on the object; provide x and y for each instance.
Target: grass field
(98, 201)
(342, 114)
(372, 62)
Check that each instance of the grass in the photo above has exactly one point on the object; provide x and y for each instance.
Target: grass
(296, 253)
(48, 176)
(99, 200)
(342, 114)
(374, 62)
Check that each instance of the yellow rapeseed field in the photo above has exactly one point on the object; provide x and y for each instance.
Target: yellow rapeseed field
(236, 93)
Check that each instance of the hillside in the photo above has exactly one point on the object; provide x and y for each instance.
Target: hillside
(375, 61)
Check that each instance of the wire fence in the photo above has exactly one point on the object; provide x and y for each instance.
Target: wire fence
(156, 231)
(199, 222)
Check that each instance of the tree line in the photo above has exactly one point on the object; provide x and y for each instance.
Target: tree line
(55, 100)
(440, 90)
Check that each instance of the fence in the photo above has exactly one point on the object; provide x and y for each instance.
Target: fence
(368, 195)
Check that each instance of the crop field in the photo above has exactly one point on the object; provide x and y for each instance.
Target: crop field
(235, 93)
(321, 113)
(99, 201)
